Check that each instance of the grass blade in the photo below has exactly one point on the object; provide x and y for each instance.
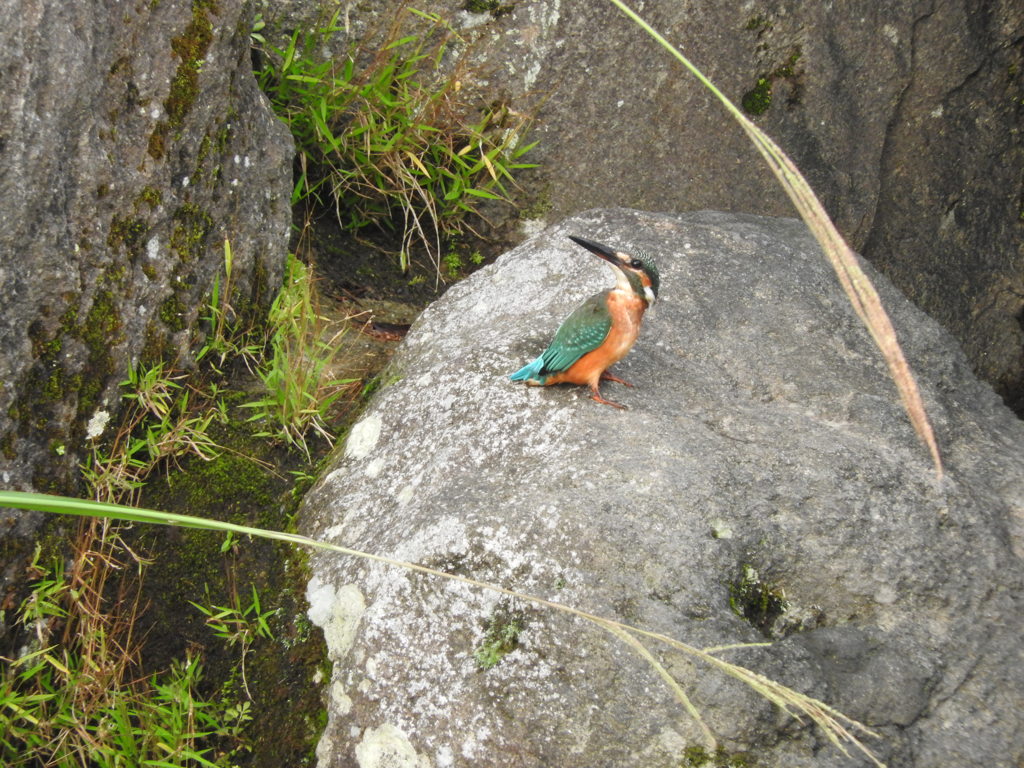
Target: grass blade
(838, 728)
(709, 738)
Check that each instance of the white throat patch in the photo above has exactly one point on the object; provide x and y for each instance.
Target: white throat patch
(621, 281)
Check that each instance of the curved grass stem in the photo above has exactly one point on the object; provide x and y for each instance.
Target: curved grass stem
(861, 293)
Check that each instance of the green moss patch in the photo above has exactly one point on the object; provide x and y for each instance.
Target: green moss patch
(757, 601)
(127, 233)
(172, 313)
(249, 484)
(190, 48)
(191, 225)
(758, 99)
(501, 638)
(699, 757)
(48, 383)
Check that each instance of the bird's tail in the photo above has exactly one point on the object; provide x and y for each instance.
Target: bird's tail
(530, 372)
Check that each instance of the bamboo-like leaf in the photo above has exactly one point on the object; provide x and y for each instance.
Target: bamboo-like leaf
(487, 161)
(522, 150)
(482, 193)
(855, 282)
(416, 161)
(290, 53)
(400, 42)
(455, 191)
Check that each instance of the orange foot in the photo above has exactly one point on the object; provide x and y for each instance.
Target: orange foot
(605, 376)
(595, 395)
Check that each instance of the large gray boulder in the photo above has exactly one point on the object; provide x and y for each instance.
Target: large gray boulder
(764, 461)
(904, 115)
(134, 140)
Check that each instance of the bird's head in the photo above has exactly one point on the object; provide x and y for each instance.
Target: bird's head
(633, 271)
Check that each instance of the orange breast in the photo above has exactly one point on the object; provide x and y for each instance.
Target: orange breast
(627, 311)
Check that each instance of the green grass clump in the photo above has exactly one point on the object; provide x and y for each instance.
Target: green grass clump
(161, 424)
(291, 355)
(299, 391)
(72, 696)
(387, 137)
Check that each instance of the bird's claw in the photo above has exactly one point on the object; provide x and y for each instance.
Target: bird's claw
(613, 404)
(609, 377)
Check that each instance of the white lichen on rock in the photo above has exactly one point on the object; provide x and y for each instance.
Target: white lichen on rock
(388, 747)
(337, 613)
(363, 437)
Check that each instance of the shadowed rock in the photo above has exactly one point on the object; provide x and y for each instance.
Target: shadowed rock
(765, 461)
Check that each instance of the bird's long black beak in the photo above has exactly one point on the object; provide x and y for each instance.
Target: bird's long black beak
(606, 253)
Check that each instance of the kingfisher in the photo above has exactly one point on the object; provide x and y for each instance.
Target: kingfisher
(600, 331)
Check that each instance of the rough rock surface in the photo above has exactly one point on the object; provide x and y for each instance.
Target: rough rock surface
(134, 140)
(905, 116)
(763, 436)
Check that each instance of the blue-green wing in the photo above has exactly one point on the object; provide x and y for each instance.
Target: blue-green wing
(581, 332)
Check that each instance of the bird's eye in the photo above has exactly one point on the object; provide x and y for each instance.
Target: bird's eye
(636, 263)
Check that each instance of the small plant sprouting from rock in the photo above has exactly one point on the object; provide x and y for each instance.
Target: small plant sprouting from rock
(699, 757)
(757, 100)
(501, 638)
(456, 257)
(237, 625)
(758, 602)
(496, 8)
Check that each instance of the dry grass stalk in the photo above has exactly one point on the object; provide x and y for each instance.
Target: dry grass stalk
(855, 283)
(840, 730)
